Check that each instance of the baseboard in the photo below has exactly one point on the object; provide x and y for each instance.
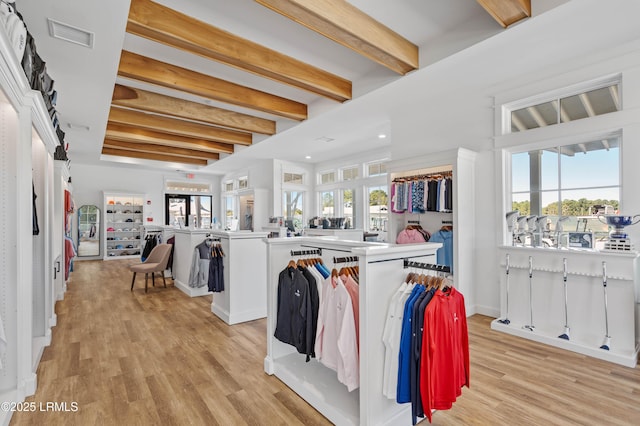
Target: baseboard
(53, 321)
(237, 317)
(190, 291)
(487, 311)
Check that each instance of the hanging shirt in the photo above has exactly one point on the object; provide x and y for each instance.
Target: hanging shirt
(417, 327)
(293, 319)
(395, 332)
(444, 254)
(199, 272)
(389, 323)
(403, 393)
(444, 362)
(216, 270)
(354, 293)
(336, 336)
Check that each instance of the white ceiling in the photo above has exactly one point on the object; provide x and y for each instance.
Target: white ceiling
(84, 78)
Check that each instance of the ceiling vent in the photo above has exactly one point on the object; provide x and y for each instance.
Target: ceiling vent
(69, 33)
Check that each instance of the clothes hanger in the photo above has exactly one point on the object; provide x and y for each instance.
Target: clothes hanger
(292, 264)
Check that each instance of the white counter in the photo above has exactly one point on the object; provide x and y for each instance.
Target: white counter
(245, 272)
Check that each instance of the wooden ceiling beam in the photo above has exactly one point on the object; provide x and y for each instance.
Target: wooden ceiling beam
(507, 12)
(151, 156)
(138, 67)
(177, 127)
(160, 149)
(131, 97)
(164, 25)
(349, 26)
(126, 133)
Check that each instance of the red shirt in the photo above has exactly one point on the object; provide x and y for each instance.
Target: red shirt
(444, 362)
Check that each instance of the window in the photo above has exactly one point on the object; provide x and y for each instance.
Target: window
(376, 169)
(378, 213)
(329, 177)
(173, 186)
(243, 183)
(292, 178)
(584, 104)
(292, 207)
(578, 181)
(230, 213)
(350, 173)
(327, 202)
(348, 208)
(228, 186)
(179, 207)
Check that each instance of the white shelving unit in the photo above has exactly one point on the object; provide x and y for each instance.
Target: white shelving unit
(123, 225)
(585, 301)
(461, 162)
(381, 271)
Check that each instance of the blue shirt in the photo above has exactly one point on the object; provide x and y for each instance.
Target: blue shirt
(403, 393)
(444, 254)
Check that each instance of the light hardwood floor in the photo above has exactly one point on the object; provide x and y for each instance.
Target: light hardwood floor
(163, 358)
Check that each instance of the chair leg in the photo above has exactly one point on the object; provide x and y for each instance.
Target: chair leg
(146, 276)
(133, 280)
(163, 279)
(153, 278)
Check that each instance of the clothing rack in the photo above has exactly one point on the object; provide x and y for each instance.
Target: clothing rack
(414, 222)
(210, 237)
(317, 251)
(380, 266)
(347, 259)
(447, 222)
(429, 266)
(443, 174)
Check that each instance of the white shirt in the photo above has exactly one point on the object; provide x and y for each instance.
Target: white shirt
(387, 333)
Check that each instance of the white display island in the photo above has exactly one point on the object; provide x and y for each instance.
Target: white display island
(381, 270)
(245, 284)
(585, 300)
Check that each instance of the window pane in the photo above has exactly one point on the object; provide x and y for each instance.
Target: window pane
(201, 208)
(520, 172)
(549, 170)
(327, 177)
(376, 169)
(590, 164)
(350, 173)
(243, 183)
(327, 203)
(348, 208)
(378, 213)
(292, 178)
(521, 202)
(229, 213)
(293, 207)
(534, 116)
(589, 104)
(177, 211)
(228, 186)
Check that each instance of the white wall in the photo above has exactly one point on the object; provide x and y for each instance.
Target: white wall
(90, 181)
(449, 111)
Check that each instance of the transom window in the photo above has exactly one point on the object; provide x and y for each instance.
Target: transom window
(350, 173)
(292, 178)
(598, 99)
(328, 177)
(376, 169)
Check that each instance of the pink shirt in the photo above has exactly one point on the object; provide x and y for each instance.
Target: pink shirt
(336, 345)
(354, 292)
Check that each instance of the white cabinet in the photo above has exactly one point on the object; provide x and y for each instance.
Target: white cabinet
(123, 225)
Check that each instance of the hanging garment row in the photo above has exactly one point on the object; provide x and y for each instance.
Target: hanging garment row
(152, 239)
(318, 314)
(207, 265)
(426, 342)
(424, 194)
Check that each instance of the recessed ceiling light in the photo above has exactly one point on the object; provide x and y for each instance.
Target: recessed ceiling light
(382, 136)
(308, 157)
